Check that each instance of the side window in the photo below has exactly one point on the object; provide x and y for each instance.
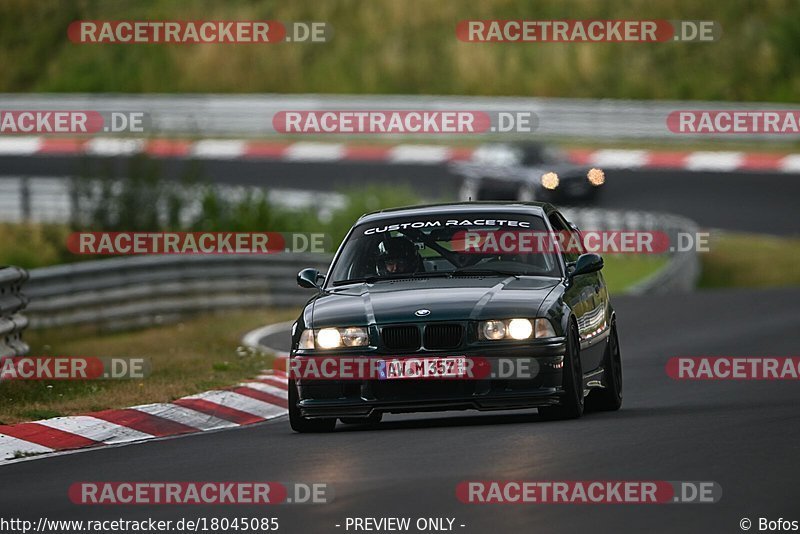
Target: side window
(568, 237)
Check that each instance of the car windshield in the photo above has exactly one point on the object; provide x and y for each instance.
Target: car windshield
(455, 245)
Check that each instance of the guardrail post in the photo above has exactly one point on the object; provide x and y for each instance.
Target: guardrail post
(25, 197)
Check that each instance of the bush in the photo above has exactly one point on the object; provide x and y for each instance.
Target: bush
(144, 202)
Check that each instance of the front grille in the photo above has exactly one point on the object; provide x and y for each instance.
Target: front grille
(443, 336)
(401, 337)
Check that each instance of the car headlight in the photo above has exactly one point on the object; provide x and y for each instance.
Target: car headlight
(493, 329)
(333, 338)
(596, 177)
(329, 338)
(355, 336)
(516, 329)
(550, 180)
(519, 329)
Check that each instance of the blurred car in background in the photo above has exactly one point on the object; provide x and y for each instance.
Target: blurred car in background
(526, 171)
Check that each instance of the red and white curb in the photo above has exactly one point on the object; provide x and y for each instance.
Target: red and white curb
(691, 161)
(260, 399)
(308, 151)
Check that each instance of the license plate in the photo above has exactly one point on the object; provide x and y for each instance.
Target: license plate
(433, 367)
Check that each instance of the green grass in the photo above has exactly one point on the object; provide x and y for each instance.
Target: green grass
(410, 47)
(624, 270)
(195, 355)
(750, 260)
(32, 245)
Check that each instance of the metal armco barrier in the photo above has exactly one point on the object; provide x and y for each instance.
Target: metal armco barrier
(142, 290)
(209, 115)
(682, 271)
(12, 302)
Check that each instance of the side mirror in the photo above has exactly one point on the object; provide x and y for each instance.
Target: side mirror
(308, 278)
(587, 263)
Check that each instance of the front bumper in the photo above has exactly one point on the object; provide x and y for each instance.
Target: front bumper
(362, 398)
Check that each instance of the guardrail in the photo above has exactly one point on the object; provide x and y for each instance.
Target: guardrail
(210, 115)
(12, 302)
(141, 290)
(683, 268)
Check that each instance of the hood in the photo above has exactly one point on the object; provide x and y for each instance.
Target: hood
(396, 301)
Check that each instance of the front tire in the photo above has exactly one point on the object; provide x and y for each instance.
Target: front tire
(300, 423)
(572, 402)
(609, 399)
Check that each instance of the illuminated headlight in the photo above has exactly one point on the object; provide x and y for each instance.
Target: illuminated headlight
(596, 177)
(550, 180)
(517, 329)
(332, 338)
(329, 338)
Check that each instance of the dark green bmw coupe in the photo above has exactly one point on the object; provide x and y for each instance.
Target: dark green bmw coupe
(486, 306)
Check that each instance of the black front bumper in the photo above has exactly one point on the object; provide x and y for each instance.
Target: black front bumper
(362, 398)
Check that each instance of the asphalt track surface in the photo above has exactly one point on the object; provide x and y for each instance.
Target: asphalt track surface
(750, 202)
(744, 435)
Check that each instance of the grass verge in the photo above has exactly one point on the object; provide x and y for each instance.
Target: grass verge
(195, 355)
(750, 260)
(621, 271)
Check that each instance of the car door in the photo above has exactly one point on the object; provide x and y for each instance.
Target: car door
(586, 296)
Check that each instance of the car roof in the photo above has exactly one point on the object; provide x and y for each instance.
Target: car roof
(527, 208)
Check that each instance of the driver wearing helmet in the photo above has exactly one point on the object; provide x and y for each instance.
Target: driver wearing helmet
(399, 256)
